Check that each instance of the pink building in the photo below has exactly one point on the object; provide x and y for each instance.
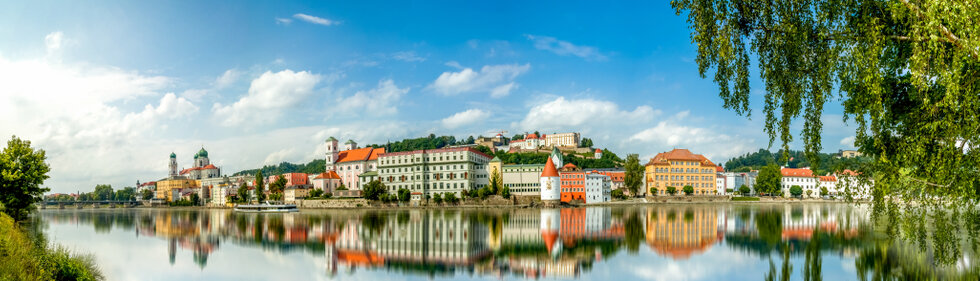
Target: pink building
(328, 182)
(352, 161)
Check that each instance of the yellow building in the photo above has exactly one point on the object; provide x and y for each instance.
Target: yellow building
(164, 187)
(679, 168)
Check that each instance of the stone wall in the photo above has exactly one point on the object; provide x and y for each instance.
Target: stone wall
(332, 203)
(693, 198)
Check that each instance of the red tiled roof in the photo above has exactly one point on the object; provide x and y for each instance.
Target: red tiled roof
(570, 166)
(850, 172)
(328, 175)
(530, 136)
(828, 178)
(209, 166)
(800, 173)
(360, 154)
(664, 158)
(719, 169)
(598, 150)
(549, 169)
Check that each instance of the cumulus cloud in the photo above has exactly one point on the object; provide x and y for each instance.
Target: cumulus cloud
(382, 100)
(268, 97)
(407, 56)
(315, 19)
(565, 48)
(53, 41)
(497, 80)
(464, 118)
(848, 141)
(563, 113)
(711, 142)
(226, 79)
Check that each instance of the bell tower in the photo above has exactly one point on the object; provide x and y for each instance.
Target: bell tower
(173, 164)
(332, 151)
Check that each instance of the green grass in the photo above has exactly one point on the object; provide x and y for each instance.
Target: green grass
(745, 198)
(24, 259)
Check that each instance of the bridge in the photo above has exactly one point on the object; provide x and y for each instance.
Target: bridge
(95, 203)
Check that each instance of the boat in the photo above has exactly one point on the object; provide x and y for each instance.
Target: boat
(267, 208)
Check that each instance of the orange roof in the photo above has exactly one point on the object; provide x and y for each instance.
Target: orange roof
(570, 166)
(828, 178)
(549, 169)
(360, 154)
(850, 172)
(800, 173)
(531, 136)
(598, 150)
(549, 238)
(328, 175)
(719, 169)
(210, 166)
(664, 158)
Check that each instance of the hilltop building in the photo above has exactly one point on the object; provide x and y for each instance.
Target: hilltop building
(533, 141)
(679, 168)
(352, 161)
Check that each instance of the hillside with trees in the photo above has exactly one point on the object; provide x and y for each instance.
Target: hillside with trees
(827, 163)
(313, 167)
(429, 142)
(608, 160)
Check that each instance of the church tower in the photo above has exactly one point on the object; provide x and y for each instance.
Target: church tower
(332, 151)
(550, 183)
(173, 164)
(556, 157)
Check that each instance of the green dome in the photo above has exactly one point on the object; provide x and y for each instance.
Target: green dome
(201, 153)
(173, 155)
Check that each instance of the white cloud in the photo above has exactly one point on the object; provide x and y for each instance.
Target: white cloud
(494, 79)
(464, 118)
(268, 96)
(565, 48)
(382, 100)
(315, 19)
(563, 113)
(848, 141)
(229, 77)
(283, 21)
(713, 143)
(54, 41)
(407, 56)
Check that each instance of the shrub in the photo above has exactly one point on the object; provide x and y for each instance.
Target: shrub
(671, 190)
(618, 194)
(505, 192)
(796, 191)
(316, 193)
(653, 191)
(437, 198)
(744, 190)
(451, 198)
(688, 190)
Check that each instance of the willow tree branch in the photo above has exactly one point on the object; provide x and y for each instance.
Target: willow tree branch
(942, 28)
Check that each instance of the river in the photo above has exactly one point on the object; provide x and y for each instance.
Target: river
(653, 242)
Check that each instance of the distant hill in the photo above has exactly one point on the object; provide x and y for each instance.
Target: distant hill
(314, 167)
(429, 142)
(828, 162)
(608, 160)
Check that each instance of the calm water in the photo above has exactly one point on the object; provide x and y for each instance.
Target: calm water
(663, 242)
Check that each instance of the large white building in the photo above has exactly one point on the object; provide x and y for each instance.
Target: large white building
(562, 139)
(802, 177)
(427, 172)
(351, 162)
(598, 188)
(202, 169)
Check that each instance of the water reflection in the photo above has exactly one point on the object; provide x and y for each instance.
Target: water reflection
(792, 240)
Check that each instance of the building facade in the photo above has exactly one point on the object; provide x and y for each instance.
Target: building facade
(679, 168)
(328, 182)
(202, 169)
(351, 161)
(550, 183)
(165, 187)
(427, 172)
(598, 188)
(802, 177)
(562, 139)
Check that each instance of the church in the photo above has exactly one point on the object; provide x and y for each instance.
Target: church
(202, 169)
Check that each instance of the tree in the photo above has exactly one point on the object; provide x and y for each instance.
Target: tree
(769, 180)
(485, 192)
(671, 190)
(22, 171)
(809, 193)
(103, 192)
(823, 191)
(259, 186)
(437, 198)
(633, 177)
(517, 137)
(450, 197)
(505, 192)
(464, 194)
(316, 193)
(618, 194)
(404, 194)
(195, 199)
(342, 187)
(586, 142)
(653, 191)
(484, 149)
(278, 185)
(688, 190)
(744, 190)
(496, 180)
(795, 190)
(243, 193)
(125, 194)
(373, 190)
(146, 194)
(904, 71)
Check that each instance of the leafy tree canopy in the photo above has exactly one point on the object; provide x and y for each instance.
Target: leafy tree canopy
(22, 171)
(827, 163)
(907, 72)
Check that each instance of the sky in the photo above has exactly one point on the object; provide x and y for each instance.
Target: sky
(110, 89)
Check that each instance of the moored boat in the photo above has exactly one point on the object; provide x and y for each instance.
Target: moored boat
(267, 208)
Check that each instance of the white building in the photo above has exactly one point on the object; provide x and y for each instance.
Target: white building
(802, 177)
(720, 181)
(550, 183)
(351, 162)
(853, 183)
(203, 169)
(328, 182)
(562, 139)
(829, 183)
(530, 141)
(427, 172)
(598, 188)
(220, 194)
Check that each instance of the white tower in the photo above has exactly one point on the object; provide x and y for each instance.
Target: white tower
(598, 153)
(173, 164)
(350, 144)
(551, 230)
(556, 157)
(331, 153)
(550, 183)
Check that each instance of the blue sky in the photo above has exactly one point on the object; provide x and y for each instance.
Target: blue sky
(109, 89)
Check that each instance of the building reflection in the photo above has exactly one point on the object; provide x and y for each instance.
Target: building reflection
(679, 232)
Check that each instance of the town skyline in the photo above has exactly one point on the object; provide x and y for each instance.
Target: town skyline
(109, 101)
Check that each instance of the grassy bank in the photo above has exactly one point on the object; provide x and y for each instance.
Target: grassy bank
(745, 198)
(24, 258)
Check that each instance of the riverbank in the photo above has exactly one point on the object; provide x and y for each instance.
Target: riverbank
(23, 257)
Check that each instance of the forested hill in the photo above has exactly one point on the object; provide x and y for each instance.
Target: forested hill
(828, 163)
(314, 167)
(429, 142)
(608, 160)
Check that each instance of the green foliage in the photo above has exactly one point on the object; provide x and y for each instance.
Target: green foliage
(437, 198)
(146, 194)
(103, 192)
(745, 198)
(450, 197)
(795, 190)
(608, 160)
(744, 190)
(618, 194)
(24, 259)
(904, 71)
(517, 137)
(826, 162)
(278, 185)
(125, 194)
(316, 193)
(486, 150)
(243, 195)
(342, 187)
(586, 142)
(404, 194)
(313, 167)
(769, 180)
(373, 190)
(505, 192)
(22, 171)
(633, 177)
(430, 142)
(653, 191)
(688, 190)
(484, 192)
(465, 194)
(259, 186)
(496, 181)
(824, 191)
(195, 199)
(671, 190)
